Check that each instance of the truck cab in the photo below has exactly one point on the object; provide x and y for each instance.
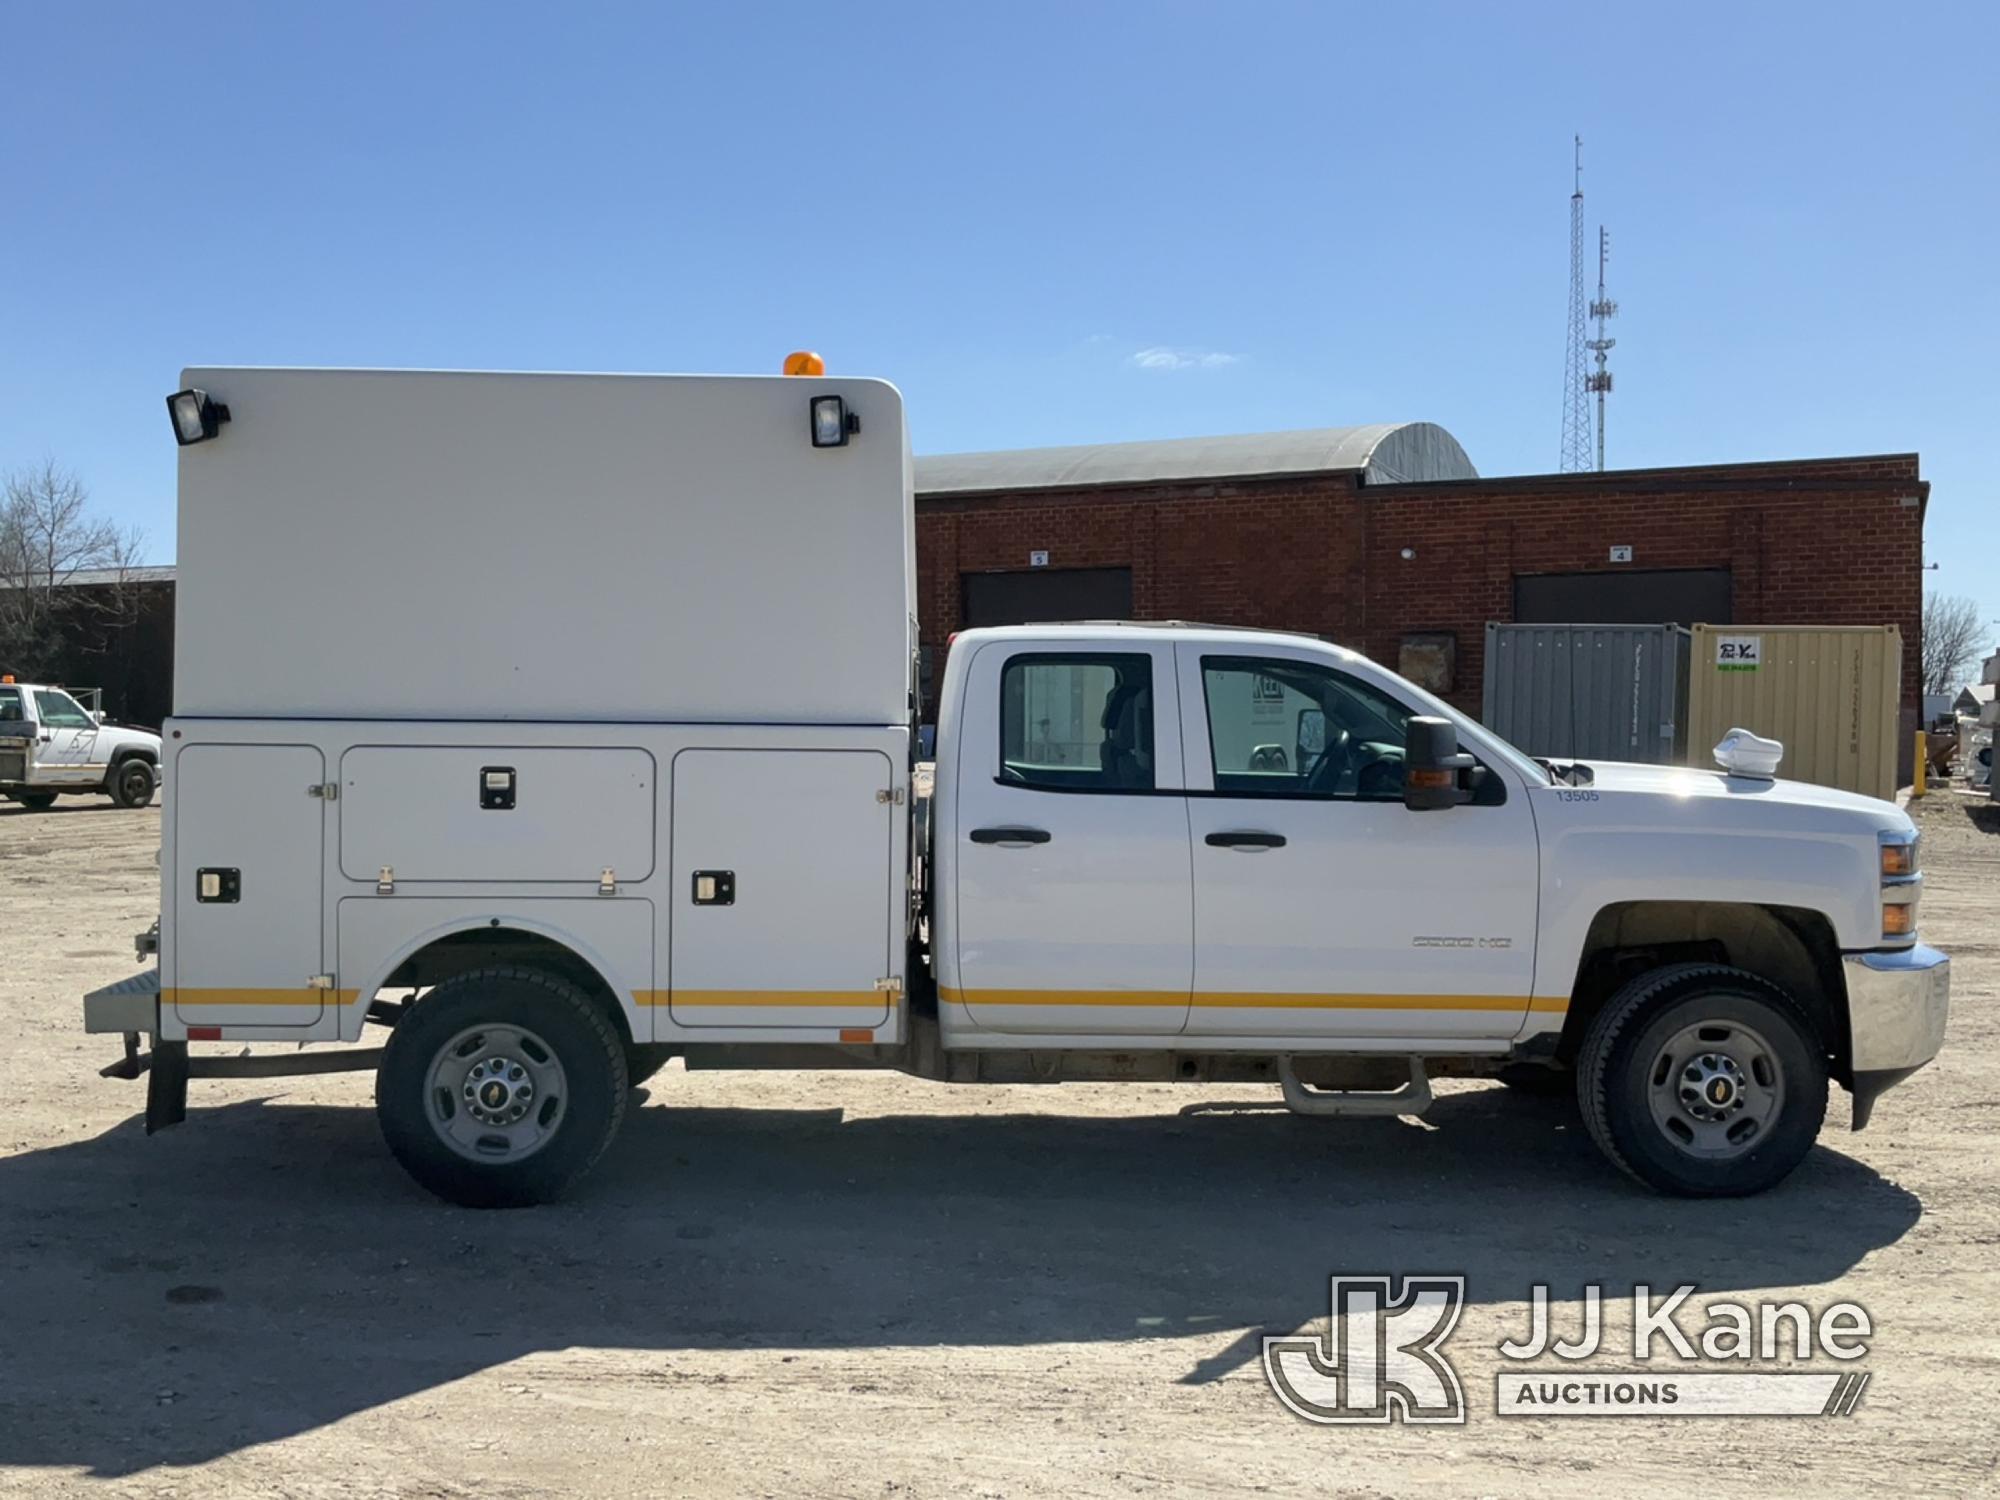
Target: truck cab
(52, 744)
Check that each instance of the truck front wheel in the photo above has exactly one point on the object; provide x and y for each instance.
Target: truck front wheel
(1703, 1081)
(131, 783)
(501, 1088)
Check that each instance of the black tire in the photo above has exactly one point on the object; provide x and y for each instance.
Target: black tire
(131, 783)
(1624, 1059)
(584, 1043)
(36, 801)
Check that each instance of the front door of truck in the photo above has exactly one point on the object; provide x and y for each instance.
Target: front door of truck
(1323, 907)
(1073, 883)
(65, 754)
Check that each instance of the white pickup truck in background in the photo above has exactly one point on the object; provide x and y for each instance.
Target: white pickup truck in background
(51, 745)
(626, 773)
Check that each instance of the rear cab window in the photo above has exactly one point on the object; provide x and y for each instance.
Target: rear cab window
(1078, 721)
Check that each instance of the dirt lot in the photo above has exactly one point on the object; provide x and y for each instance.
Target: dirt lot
(851, 1285)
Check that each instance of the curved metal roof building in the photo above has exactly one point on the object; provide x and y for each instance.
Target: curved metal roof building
(1382, 453)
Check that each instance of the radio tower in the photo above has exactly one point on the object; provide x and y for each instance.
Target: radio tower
(1602, 308)
(1576, 381)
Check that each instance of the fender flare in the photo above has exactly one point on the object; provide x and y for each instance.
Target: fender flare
(354, 1012)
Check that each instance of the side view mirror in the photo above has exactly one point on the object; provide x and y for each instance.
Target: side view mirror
(1436, 773)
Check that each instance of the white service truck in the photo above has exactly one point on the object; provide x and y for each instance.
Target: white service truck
(564, 725)
(51, 745)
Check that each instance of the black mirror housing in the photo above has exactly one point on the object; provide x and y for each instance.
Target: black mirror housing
(1436, 773)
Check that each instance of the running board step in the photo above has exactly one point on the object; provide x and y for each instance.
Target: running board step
(1413, 1098)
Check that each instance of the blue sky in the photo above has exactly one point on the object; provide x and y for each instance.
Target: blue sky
(1311, 214)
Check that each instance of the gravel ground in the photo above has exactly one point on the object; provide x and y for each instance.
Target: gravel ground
(799, 1284)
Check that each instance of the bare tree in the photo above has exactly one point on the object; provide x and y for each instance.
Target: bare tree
(50, 542)
(1952, 637)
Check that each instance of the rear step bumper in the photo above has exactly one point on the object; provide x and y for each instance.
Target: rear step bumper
(129, 1005)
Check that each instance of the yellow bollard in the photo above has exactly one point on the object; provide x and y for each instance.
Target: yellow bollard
(1923, 760)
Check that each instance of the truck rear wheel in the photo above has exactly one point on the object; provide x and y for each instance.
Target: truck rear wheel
(501, 1087)
(131, 783)
(36, 801)
(1703, 1081)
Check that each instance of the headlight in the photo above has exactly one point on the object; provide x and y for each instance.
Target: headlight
(1899, 860)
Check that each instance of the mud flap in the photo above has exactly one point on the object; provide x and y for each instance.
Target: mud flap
(166, 1086)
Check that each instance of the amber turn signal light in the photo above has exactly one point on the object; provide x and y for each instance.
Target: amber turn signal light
(1898, 860)
(1899, 921)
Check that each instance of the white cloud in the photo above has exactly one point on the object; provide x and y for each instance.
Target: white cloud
(1160, 357)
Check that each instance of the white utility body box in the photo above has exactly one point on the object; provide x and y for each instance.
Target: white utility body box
(397, 544)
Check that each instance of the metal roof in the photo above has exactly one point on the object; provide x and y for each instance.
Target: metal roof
(98, 577)
(1382, 453)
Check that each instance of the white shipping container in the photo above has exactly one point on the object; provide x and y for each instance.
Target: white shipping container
(614, 548)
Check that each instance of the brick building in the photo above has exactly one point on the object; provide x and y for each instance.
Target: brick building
(1382, 538)
(1386, 540)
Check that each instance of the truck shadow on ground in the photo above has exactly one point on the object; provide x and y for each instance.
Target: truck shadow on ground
(62, 807)
(267, 1270)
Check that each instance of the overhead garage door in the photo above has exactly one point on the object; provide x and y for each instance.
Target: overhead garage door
(1045, 596)
(1657, 596)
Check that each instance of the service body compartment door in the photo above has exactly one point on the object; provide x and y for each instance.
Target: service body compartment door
(502, 813)
(785, 910)
(248, 851)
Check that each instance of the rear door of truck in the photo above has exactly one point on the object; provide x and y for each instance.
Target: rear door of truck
(1074, 886)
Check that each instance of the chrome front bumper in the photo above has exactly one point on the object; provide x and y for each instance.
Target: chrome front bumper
(1896, 1007)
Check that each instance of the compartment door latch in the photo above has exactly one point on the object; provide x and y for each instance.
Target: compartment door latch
(326, 791)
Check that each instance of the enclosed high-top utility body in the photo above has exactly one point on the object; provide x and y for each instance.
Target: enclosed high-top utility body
(564, 725)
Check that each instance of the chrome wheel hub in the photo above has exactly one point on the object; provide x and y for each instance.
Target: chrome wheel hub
(496, 1093)
(1715, 1089)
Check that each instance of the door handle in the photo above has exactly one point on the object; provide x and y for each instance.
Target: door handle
(1010, 835)
(1245, 838)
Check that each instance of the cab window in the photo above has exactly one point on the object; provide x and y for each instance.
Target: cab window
(60, 711)
(1287, 728)
(1077, 722)
(11, 708)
